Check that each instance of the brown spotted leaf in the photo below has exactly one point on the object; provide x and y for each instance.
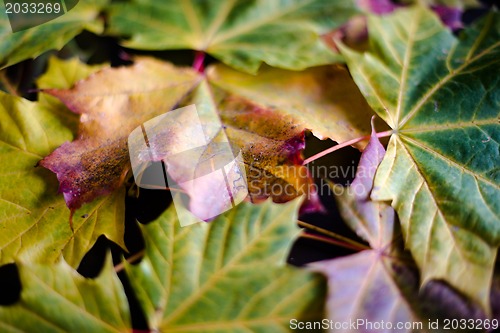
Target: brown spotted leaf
(115, 101)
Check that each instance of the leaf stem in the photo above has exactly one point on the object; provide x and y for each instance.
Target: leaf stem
(352, 243)
(133, 258)
(328, 240)
(171, 189)
(345, 144)
(198, 63)
(7, 84)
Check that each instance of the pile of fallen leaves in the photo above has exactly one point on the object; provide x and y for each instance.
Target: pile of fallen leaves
(425, 206)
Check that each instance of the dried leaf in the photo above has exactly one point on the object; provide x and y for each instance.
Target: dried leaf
(113, 102)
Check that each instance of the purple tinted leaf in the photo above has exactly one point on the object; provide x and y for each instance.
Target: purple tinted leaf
(372, 221)
(368, 164)
(72, 162)
(450, 16)
(378, 6)
(361, 290)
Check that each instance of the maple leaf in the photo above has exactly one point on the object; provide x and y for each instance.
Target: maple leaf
(269, 134)
(30, 43)
(76, 304)
(226, 275)
(439, 94)
(240, 33)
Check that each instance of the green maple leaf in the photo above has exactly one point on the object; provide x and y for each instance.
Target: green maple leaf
(55, 298)
(440, 96)
(228, 275)
(242, 34)
(34, 217)
(30, 43)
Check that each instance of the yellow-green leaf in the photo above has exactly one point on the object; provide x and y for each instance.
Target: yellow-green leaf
(55, 298)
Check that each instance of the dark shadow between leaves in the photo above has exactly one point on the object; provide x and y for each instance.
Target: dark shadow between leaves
(149, 204)
(305, 250)
(10, 284)
(341, 169)
(137, 315)
(93, 261)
